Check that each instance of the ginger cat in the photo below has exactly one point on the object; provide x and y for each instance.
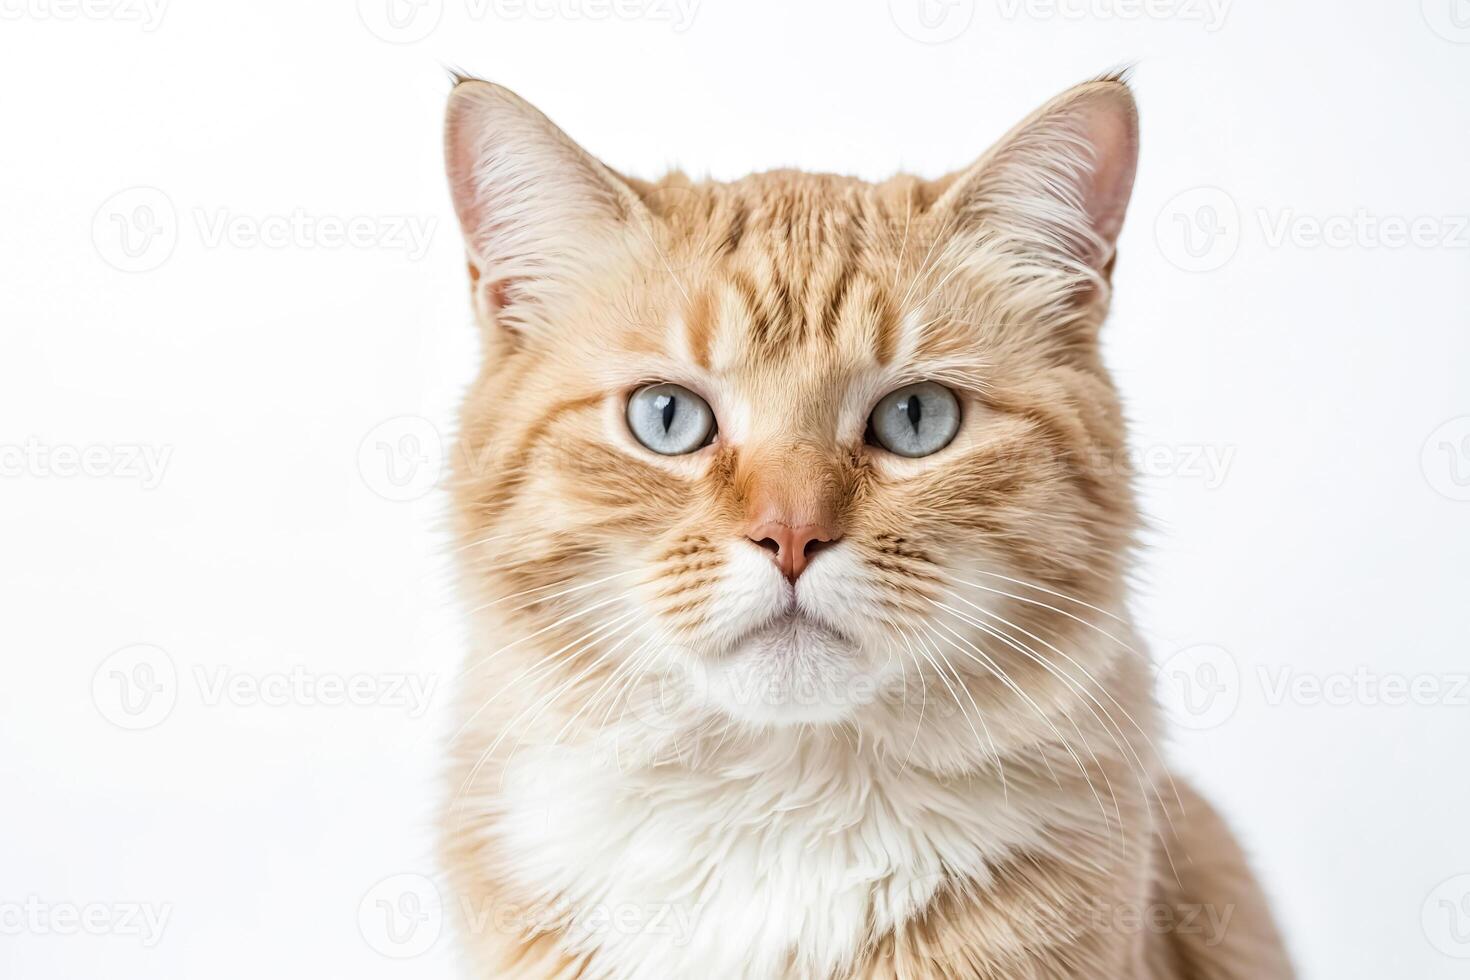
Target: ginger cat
(795, 547)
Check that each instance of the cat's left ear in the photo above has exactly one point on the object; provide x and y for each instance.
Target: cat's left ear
(1058, 184)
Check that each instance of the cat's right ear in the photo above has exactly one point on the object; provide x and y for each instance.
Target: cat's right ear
(534, 206)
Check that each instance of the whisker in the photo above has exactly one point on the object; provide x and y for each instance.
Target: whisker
(568, 685)
(924, 265)
(1086, 743)
(547, 598)
(540, 667)
(531, 636)
(635, 677)
(503, 537)
(1137, 760)
(1043, 605)
(608, 681)
(923, 704)
(994, 749)
(1053, 592)
(1010, 683)
(544, 666)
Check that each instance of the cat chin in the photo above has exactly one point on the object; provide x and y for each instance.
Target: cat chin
(794, 671)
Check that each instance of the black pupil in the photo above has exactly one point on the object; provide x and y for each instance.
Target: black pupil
(915, 409)
(668, 408)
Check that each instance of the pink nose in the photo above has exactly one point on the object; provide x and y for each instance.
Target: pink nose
(792, 546)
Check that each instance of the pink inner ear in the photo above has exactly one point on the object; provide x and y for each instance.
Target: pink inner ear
(465, 145)
(1111, 127)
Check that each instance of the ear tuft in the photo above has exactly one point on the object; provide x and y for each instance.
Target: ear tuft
(458, 76)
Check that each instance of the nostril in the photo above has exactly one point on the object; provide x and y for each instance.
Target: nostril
(771, 545)
(815, 545)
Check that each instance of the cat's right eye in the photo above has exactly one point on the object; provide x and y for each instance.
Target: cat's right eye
(670, 420)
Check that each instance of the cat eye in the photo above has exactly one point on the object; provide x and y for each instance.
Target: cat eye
(916, 420)
(670, 420)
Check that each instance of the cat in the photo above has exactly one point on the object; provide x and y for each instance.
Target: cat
(794, 541)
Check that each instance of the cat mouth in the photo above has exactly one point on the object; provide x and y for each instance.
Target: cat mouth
(791, 669)
(795, 634)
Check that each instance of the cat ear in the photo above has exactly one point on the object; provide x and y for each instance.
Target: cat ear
(535, 208)
(1059, 182)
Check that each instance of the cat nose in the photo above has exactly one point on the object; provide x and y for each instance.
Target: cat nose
(792, 545)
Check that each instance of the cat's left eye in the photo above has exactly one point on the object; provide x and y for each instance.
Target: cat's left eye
(916, 420)
(670, 419)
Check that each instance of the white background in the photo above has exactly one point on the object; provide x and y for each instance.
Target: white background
(1328, 383)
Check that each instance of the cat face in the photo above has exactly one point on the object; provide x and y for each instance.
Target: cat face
(817, 447)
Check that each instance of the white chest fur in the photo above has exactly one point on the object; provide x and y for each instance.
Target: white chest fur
(780, 863)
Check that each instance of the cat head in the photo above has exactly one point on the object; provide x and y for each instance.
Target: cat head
(797, 435)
